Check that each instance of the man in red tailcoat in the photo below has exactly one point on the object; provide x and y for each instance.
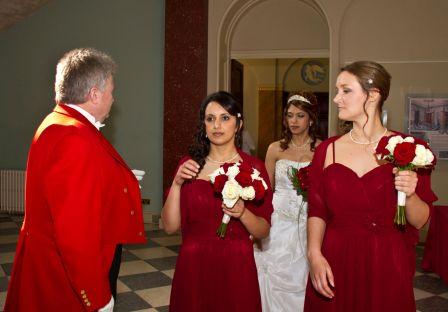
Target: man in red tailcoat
(81, 198)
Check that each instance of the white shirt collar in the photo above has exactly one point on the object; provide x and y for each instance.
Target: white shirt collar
(86, 114)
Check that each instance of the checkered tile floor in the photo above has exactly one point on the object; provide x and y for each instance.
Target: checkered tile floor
(147, 270)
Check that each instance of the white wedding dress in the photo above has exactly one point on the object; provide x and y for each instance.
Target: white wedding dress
(282, 263)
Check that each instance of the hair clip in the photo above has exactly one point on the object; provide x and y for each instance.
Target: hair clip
(369, 81)
(238, 115)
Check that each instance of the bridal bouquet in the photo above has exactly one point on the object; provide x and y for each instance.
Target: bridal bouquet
(236, 181)
(405, 153)
(300, 180)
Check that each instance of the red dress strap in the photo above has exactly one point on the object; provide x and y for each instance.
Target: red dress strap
(334, 155)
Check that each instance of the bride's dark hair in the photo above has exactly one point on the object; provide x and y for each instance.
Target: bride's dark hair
(201, 147)
(311, 109)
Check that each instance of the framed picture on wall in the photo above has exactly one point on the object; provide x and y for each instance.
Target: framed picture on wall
(427, 118)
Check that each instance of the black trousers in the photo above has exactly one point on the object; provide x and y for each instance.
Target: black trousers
(114, 270)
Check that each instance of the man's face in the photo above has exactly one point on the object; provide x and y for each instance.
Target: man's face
(105, 99)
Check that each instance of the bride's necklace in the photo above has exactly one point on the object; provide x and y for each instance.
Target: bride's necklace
(300, 146)
(366, 143)
(222, 162)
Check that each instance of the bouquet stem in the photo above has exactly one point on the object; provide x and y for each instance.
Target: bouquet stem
(221, 231)
(400, 216)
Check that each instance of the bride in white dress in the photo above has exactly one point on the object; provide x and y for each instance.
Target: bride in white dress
(281, 258)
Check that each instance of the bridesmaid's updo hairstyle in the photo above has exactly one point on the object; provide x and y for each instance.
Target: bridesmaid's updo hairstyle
(307, 102)
(371, 76)
(201, 147)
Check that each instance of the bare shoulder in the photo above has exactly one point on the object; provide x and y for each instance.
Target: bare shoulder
(327, 145)
(274, 149)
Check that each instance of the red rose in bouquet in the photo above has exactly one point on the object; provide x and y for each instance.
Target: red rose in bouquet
(300, 180)
(404, 153)
(303, 176)
(259, 189)
(301, 183)
(226, 166)
(381, 147)
(244, 177)
(220, 181)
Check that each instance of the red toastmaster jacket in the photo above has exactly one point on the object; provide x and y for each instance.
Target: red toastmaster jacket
(81, 201)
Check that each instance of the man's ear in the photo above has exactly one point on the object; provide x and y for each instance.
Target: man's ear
(94, 95)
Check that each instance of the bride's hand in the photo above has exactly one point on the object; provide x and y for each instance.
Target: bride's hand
(321, 275)
(187, 171)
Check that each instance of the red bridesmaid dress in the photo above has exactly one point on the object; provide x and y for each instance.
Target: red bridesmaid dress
(214, 274)
(372, 261)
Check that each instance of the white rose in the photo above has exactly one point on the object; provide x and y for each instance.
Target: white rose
(409, 139)
(231, 192)
(429, 156)
(248, 193)
(420, 156)
(393, 141)
(216, 173)
(233, 171)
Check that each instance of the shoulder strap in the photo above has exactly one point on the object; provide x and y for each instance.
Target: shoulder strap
(334, 152)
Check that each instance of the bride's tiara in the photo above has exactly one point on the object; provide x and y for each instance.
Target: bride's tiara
(297, 97)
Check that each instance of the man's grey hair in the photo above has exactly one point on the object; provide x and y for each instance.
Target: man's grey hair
(80, 70)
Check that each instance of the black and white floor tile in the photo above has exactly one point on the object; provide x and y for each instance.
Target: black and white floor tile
(147, 271)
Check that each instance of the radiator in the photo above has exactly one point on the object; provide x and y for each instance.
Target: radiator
(12, 191)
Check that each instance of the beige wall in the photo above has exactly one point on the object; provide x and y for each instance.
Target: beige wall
(407, 36)
(250, 94)
(293, 25)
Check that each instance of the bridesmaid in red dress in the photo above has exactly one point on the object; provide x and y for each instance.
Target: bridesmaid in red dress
(359, 261)
(214, 274)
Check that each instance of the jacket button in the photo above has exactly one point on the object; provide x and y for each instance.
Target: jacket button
(132, 212)
(140, 233)
(83, 292)
(125, 190)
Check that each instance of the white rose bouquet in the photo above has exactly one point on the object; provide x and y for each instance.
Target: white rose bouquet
(235, 181)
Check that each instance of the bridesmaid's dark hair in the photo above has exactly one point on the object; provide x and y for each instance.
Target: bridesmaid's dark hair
(310, 109)
(370, 76)
(201, 147)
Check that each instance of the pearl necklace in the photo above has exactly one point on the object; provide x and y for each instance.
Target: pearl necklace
(300, 146)
(221, 162)
(366, 143)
